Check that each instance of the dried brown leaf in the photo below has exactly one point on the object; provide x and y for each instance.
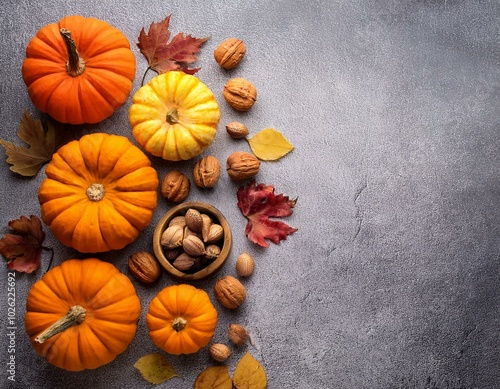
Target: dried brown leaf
(27, 161)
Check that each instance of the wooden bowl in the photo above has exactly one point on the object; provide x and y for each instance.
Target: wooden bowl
(181, 209)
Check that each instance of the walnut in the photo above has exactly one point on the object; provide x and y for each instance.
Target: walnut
(215, 233)
(207, 223)
(175, 186)
(143, 266)
(240, 94)
(178, 220)
(184, 262)
(172, 237)
(230, 53)
(193, 246)
(206, 172)
(219, 351)
(241, 165)
(212, 252)
(230, 292)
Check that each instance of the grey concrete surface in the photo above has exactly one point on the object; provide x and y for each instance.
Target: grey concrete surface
(392, 279)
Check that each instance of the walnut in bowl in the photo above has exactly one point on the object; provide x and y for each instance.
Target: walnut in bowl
(192, 241)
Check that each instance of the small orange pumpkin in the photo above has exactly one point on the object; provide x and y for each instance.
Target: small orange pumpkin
(79, 70)
(99, 194)
(181, 319)
(82, 314)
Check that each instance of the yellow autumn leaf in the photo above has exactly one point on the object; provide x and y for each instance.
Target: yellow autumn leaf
(269, 144)
(214, 377)
(155, 368)
(249, 374)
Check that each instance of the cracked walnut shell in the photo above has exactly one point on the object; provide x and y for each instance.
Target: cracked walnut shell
(240, 94)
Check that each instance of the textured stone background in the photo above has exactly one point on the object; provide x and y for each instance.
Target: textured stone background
(392, 280)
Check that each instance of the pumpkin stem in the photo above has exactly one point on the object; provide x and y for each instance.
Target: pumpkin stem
(76, 315)
(95, 192)
(179, 323)
(173, 116)
(75, 65)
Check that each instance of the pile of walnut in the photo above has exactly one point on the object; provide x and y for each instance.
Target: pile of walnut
(192, 241)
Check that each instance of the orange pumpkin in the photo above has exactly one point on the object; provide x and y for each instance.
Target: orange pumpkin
(82, 314)
(181, 319)
(99, 194)
(79, 70)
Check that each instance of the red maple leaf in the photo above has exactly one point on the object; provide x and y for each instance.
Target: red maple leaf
(163, 55)
(23, 248)
(258, 203)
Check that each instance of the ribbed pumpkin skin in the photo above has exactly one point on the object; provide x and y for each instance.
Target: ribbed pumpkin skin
(198, 116)
(112, 305)
(130, 197)
(187, 302)
(95, 94)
